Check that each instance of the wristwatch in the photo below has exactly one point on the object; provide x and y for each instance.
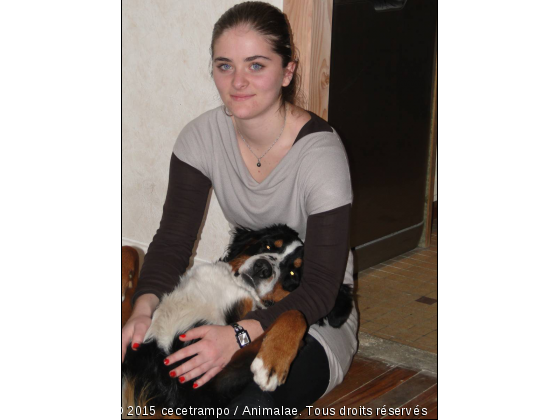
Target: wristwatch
(241, 335)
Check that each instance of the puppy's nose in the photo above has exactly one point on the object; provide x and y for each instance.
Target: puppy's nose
(262, 269)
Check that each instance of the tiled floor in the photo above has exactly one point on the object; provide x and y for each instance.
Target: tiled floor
(397, 299)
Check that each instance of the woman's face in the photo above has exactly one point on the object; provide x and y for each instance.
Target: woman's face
(248, 73)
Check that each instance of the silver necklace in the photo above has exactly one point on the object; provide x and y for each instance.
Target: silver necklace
(247, 144)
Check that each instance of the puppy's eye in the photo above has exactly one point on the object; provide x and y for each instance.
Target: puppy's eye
(292, 273)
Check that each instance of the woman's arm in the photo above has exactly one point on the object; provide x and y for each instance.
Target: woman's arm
(169, 253)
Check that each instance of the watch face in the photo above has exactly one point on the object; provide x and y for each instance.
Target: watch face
(244, 339)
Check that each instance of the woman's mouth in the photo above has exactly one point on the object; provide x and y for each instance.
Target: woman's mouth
(241, 97)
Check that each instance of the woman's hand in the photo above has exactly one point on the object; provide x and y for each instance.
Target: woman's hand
(214, 350)
(211, 353)
(135, 328)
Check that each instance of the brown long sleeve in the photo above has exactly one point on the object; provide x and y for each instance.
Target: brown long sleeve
(169, 253)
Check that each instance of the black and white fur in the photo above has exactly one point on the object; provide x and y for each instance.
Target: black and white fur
(214, 294)
(209, 294)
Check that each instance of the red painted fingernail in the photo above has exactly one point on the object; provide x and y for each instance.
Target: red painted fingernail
(195, 386)
(181, 379)
(183, 336)
(166, 362)
(135, 345)
(172, 374)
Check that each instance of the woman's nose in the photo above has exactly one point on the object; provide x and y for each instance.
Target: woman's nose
(239, 80)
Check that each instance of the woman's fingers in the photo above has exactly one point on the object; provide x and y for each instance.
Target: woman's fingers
(139, 334)
(209, 375)
(194, 373)
(134, 332)
(125, 339)
(199, 348)
(208, 355)
(195, 333)
(194, 363)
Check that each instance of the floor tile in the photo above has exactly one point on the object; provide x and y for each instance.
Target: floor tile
(387, 295)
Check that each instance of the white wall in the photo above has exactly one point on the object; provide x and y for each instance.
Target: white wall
(165, 84)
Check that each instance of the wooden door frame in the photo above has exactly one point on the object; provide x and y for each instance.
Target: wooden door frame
(311, 23)
(425, 239)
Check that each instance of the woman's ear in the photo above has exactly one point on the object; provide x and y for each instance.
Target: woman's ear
(289, 73)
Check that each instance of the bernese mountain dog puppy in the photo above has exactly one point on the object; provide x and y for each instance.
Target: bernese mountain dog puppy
(259, 268)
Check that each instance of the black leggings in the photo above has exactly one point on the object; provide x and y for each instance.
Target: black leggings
(308, 379)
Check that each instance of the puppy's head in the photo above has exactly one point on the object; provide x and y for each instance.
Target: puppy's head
(262, 257)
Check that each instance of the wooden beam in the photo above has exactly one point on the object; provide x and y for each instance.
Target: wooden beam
(429, 196)
(311, 22)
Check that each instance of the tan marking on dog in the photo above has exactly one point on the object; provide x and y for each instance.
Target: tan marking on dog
(129, 401)
(247, 307)
(143, 402)
(238, 262)
(279, 243)
(277, 294)
(298, 262)
(127, 398)
(279, 348)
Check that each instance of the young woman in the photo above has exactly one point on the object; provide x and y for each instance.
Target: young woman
(269, 161)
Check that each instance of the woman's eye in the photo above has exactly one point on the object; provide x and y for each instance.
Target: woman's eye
(227, 67)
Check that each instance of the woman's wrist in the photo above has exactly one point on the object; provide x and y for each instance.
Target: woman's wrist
(145, 305)
(253, 327)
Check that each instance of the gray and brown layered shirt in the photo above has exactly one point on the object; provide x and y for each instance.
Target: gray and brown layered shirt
(309, 190)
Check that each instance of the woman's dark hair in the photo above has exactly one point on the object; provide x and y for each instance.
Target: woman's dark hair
(271, 23)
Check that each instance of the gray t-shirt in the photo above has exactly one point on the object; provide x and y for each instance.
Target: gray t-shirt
(313, 177)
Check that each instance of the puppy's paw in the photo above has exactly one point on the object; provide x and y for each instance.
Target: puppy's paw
(265, 375)
(280, 344)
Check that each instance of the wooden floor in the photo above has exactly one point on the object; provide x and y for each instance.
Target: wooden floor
(372, 385)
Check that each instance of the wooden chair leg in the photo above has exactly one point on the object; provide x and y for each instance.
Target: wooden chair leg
(129, 280)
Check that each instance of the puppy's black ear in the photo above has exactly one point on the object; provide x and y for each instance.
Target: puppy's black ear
(242, 234)
(242, 237)
(284, 231)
